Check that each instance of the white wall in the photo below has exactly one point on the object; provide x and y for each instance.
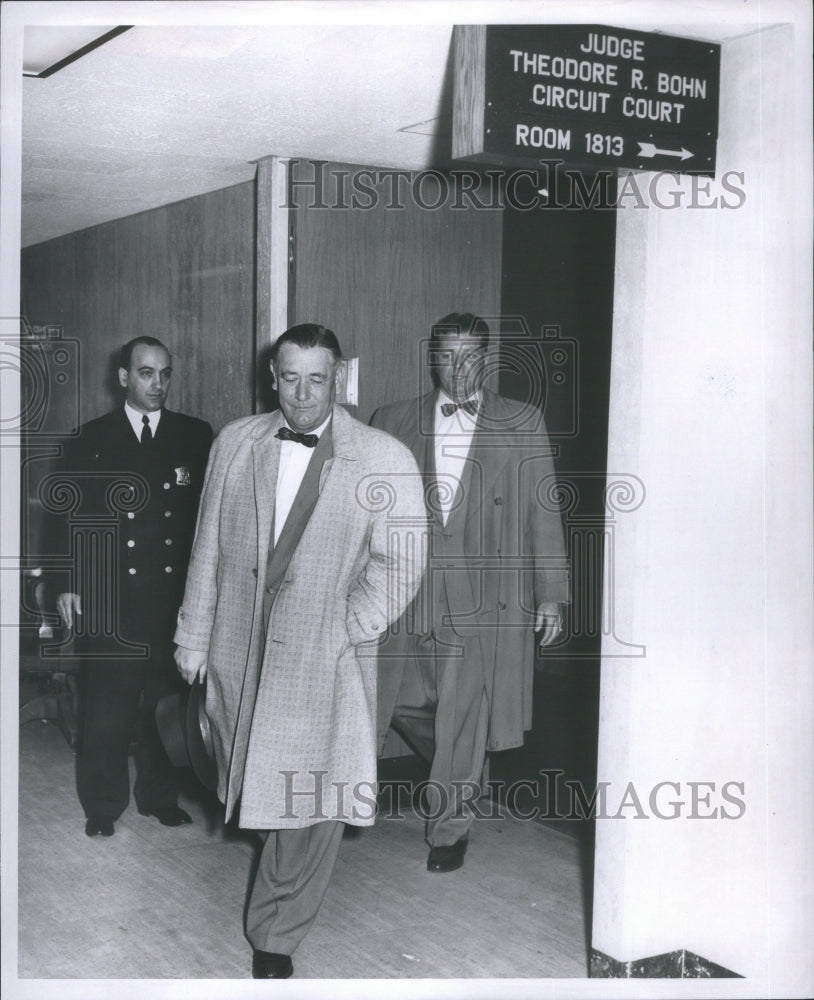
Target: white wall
(710, 407)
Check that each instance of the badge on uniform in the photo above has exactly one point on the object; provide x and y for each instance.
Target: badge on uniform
(182, 476)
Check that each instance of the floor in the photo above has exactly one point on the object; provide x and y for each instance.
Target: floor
(159, 903)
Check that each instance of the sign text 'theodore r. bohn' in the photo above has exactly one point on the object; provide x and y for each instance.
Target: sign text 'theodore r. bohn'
(588, 95)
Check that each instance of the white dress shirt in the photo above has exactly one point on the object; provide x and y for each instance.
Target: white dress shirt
(154, 416)
(453, 439)
(294, 459)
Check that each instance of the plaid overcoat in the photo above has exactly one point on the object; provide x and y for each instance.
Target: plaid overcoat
(293, 710)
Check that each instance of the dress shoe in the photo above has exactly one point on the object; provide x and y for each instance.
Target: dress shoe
(271, 965)
(448, 857)
(96, 825)
(168, 815)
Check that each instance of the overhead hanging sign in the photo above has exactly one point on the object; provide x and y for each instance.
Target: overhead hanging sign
(588, 95)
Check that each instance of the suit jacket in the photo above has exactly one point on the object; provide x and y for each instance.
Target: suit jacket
(144, 500)
(499, 556)
(292, 706)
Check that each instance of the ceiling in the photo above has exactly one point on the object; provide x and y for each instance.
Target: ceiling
(159, 114)
(162, 113)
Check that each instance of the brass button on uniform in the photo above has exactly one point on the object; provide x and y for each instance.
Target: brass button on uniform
(130, 543)
(130, 514)
(168, 541)
(168, 569)
(167, 513)
(166, 486)
(132, 571)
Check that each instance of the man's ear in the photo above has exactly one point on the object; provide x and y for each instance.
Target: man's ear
(273, 375)
(123, 378)
(341, 375)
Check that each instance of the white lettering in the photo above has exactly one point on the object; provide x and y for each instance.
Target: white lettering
(681, 86)
(552, 96)
(564, 68)
(542, 138)
(610, 45)
(652, 110)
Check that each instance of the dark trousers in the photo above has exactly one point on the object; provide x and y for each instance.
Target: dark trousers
(442, 712)
(292, 878)
(119, 700)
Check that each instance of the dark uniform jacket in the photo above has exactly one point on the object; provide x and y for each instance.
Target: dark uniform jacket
(132, 521)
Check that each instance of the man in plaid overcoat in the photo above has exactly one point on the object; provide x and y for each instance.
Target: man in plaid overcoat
(308, 546)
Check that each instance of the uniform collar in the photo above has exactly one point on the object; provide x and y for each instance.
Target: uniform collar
(134, 418)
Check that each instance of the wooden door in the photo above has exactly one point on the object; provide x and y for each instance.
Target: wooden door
(380, 269)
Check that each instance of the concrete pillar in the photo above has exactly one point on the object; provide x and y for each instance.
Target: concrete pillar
(710, 408)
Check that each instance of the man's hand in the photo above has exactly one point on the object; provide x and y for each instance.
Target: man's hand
(191, 663)
(549, 622)
(67, 604)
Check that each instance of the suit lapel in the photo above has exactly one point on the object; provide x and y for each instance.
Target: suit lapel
(123, 431)
(418, 433)
(301, 511)
(163, 432)
(336, 444)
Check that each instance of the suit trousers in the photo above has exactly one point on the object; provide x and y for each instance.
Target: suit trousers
(292, 877)
(119, 701)
(442, 711)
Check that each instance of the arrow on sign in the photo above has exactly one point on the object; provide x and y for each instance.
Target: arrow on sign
(648, 149)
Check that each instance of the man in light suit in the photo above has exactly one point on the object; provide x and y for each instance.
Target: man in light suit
(158, 458)
(302, 558)
(455, 678)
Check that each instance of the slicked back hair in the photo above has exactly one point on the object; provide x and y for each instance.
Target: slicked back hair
(126, 353)
(306, 335)
(463, 324)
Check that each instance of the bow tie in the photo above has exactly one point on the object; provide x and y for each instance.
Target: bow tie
(286, 434)
(470, 406)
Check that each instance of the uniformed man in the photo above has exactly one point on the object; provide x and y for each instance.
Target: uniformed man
(145, 465)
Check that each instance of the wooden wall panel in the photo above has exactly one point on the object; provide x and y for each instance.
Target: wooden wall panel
(380, 276)
(183, 273)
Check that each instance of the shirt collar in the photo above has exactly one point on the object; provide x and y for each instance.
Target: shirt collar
(134, 417)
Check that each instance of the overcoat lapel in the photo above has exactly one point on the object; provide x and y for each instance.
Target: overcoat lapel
(306, 499)
(491, 450)
(265, 461)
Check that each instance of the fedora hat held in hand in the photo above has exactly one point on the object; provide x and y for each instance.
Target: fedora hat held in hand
(184, 730)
